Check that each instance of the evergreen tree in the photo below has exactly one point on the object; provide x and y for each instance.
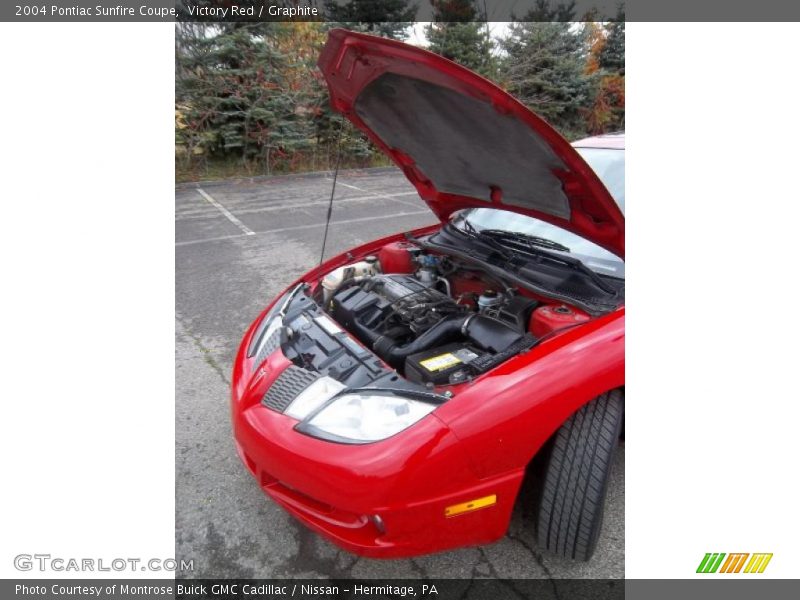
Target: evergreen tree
(457, 33)
(251, 93)
(238, 94)
(608, 110)
(546, 11)
(545, 69)
(388, 18)
(612, 56)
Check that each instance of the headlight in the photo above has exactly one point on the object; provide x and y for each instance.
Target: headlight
(359, 418)
(314, 396)
(269, 325)
(271, 322)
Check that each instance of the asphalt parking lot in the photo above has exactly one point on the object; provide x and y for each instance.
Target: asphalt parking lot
(237, 244)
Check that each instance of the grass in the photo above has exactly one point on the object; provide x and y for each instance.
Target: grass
(231, 169)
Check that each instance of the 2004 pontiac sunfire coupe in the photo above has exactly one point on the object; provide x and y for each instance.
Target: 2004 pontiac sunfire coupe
(394, 398)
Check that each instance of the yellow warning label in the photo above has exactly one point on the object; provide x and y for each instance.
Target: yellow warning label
(441, 362)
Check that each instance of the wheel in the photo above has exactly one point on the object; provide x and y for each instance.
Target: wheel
(576, 477)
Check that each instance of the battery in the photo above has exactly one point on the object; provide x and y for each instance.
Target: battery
(443, 365)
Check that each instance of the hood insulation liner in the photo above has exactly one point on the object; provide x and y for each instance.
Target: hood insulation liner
(462, 144)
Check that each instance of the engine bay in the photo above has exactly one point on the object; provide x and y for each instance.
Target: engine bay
(419, 318)
(421, 331)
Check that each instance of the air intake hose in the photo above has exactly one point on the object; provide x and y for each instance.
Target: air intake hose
(486, 333)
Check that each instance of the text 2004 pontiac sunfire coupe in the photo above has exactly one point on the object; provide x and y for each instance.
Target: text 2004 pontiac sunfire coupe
(394, 398)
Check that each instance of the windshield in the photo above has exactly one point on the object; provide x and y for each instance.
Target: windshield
(610, 167)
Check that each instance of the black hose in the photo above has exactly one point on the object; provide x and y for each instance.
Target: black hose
(444, 331)
(486, 333)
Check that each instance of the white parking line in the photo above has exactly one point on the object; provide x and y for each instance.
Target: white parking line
(201, 213)
(310, 226)
(245, 229)
(377, 194)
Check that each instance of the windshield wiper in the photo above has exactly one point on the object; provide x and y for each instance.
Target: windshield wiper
(525, 239)
(533, 245)
(576, 264)
(468, 229)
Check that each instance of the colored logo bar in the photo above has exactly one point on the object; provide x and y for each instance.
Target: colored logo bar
(713, 562)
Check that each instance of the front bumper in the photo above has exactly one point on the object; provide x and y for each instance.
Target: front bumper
(383, 500)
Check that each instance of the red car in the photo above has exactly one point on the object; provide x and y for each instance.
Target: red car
(394, 398)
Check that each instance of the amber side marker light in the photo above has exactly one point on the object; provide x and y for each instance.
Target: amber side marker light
(464, 507)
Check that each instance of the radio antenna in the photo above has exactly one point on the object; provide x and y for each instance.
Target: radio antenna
(333, 189)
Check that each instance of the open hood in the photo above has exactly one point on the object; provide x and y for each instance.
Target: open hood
(463, 141)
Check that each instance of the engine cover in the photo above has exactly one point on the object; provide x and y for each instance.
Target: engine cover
(397, 306)
(395, 287)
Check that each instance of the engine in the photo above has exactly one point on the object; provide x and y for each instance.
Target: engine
(398, 306)
(426, 334)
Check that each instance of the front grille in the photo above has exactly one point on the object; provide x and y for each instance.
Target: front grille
(287, 386)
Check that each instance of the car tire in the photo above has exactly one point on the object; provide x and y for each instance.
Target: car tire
(576, 477)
